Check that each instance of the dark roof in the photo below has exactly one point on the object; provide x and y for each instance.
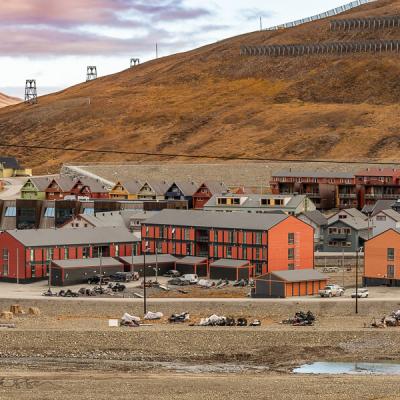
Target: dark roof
(316, 216)
(95, 185)
(191, 260)
(76, 236)
(132, 187)
(41, 183)
(10, 162)
(215, 219)
(88, 262)
(298, 275)
(228, 262)
(312, 174)
(381, 205)
(187, 188)
(150, 258)
(214, 187)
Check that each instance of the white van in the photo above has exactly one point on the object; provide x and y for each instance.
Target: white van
(191, 278)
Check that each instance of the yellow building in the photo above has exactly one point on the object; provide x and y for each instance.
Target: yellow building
(9, 167)
(126, 190)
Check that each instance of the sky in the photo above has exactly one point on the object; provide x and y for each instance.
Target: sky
(53, 41)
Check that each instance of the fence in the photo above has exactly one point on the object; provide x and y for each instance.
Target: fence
(365, 23)
(298, 50)
(326, 14)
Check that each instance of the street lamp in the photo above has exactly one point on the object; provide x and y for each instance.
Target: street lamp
(146, 249)
(357, 252)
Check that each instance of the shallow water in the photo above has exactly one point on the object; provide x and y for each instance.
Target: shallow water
(349, 368)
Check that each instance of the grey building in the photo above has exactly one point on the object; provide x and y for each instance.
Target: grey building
(385, 220)
(319, 222)
(346, 235)
(257, 203)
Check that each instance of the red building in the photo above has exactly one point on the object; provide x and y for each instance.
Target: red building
(206, 191)
(377, 184)
(63, 185)
(268, 241)
(326, 189)
(26, 254)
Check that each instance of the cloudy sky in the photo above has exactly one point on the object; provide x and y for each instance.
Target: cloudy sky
(53, 41)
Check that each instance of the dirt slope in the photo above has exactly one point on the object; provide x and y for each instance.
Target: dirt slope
(7, 100)
(212, 101)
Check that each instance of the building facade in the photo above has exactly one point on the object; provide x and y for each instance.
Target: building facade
(268, 241)
(26, 254)
(205, 191)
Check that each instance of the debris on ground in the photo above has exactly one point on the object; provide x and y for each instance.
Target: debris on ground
(221, 283)
(256, 322)
(7, 315)
(301, 318)
(183, 317)
(130, 320)
(391, 320)
(7, 326)
(183, 291)
(153, 315)
(205, 283)
(34, 311)
(16, 309)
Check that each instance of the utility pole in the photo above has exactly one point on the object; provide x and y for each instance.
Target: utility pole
(156, 264)
(357, 250)
(144, 282)
(261, 26)
(101, 267)
(17, 265)
(30, 91)
(156, 50)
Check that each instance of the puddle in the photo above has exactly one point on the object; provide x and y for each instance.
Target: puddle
(349, 368)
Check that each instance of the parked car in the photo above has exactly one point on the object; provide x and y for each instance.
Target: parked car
(331, 291)
(172, 273)
(362, 292)
(178, 282)
(124, 277)
(98, 279)
(191, 278)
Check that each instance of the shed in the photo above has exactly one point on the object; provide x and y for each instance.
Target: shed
(281, 284)
(72, 272)
(193, 265)
(231, 269)
(164, 263)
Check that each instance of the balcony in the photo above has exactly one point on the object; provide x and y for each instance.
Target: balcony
(202, 239)
(382, 196)
(347, 195)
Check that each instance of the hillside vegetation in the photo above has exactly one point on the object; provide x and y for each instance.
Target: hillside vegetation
(213, 101)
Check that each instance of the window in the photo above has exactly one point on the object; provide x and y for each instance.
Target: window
(66, 253)
(390, 271)
(244, 237)
(244, 253)
(381, 218)
(291, 254)
(291, 267)
(96, 252)
(258, 237)
(230, 237)
(5, 262)
(215, 251)
(290, 238)
(173, 233)
(228, 252)
(332, 231)
(32, 255)
(173, 248)
(86, 252)
(116, 250)
(11, 212)
(279, 202)
(50, 254)
(258, 268)
(49, 212)
(88, 211)
(159, 247)
(390, 254)
(33, 271)
(187, 234)
(188, 249)
(258, 252)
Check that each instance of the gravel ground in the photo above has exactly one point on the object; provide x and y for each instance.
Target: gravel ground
(69, 350)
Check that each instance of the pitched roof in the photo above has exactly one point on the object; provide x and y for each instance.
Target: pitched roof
(61, 237)
(64, 182)
(354, 212)
(392, 214)
(95, 185)
(150, 259)
(229, 262)
(378, 172)
(132, 187)
(159, 187)
(254, 200)
(312, 174)
(87, 262)
(215, 219)
(382, 205)
(187, 188)
(215, 187)
(355, 223)
(316, 216)
(41, 183)
(10, 162)
(191, 260)
(298, 275)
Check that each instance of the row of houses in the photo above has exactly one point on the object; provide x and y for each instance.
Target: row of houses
(329, 190)
(248, 244)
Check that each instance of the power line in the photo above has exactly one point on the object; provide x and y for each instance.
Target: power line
(196, 156)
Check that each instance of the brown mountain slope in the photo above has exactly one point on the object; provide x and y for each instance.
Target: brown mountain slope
(212, 101)
(7, 100)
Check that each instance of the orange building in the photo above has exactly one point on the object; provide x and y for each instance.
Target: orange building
(382, 259)
(270, 242)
